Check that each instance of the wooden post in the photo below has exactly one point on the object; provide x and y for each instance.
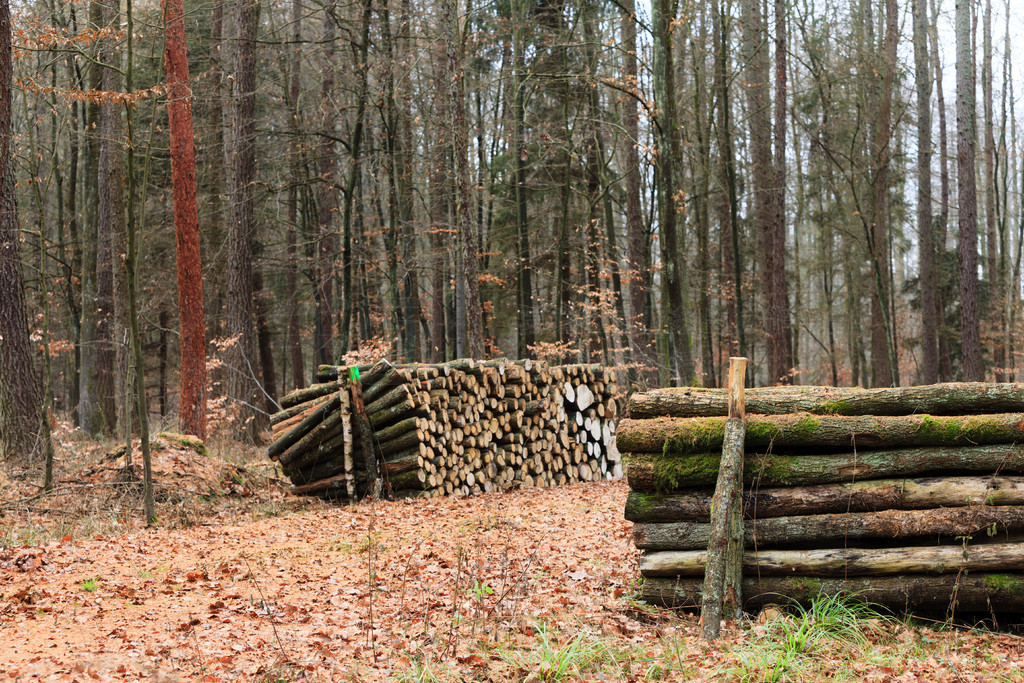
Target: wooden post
(723, 573)
(371, 462)
(345, 408)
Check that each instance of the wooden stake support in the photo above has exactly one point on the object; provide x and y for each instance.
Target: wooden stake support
(721, 596)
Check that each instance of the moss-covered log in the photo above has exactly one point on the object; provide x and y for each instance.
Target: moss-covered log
(978, 521)
(803, 431)
(995, 557)
(860, 496)
(976, 592)
(956, 398)
(656, 472)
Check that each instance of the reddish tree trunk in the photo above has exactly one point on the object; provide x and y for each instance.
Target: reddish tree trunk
(192, 409)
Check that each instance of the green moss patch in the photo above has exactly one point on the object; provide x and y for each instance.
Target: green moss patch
(1008, 583)
(834, 408)
(671, 473)
(699, 436)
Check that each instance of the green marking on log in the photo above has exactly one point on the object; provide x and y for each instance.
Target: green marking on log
(839, 407)
(1009, 583)
(353, 372)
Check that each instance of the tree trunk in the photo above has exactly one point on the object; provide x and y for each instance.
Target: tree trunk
(941, 399)
(291, 253)
(672, 256)
(728, 203)
(463, 195)
(192, 321)
(19, 384)
(90, 412)
(765, 197)
(353, 187)
(524, 284)
(440, 216)
(995, 321)
(884, 361)
(780, 340)
(241, 165)
(655, 472)
(326, 203)
(970, 336)
(942, 220)
(938, 524)
(930, 321)
(110, 217)
(638, 245)
(878, 494)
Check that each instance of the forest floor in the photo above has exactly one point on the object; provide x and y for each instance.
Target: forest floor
(240, 581)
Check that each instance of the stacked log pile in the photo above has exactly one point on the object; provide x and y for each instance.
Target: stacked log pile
(911, 498)
(455, 428)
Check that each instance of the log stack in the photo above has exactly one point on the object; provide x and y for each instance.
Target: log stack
(455, 428)
(911, 498)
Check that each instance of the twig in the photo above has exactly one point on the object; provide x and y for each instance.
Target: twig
(266, 606)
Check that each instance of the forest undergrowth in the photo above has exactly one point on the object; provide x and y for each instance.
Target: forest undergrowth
(241, 581)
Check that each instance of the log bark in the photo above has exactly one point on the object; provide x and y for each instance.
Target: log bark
(282, 416)
(981, 592)
(307, 425)
(945, 524)
(403, 410)
(954, 398)
(311, 443)
(880, 494)
(300, 396)
(838, 562)
(653, 472)
(725, 545)
(401, 443)
(678, 435)
(400, 428)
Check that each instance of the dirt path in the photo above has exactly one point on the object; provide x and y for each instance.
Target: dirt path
(291, 596)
